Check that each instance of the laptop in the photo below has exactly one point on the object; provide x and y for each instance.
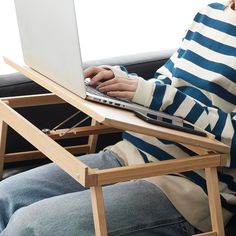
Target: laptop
(50, 45)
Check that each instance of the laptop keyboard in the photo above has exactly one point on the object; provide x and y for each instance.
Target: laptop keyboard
(94, 91)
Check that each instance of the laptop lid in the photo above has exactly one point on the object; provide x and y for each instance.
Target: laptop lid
(50, 41)
(50, 45)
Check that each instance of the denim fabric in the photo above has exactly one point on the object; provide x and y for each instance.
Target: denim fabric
(46, 201)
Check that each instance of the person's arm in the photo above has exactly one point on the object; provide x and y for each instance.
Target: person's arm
(164, 97)
(158, 94)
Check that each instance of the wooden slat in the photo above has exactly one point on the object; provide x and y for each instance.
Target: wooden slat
(82, 131)
(134, 124)
(156, 169)
(32, 155)
(93, 138)
(214, 201)
(3, 137)
(198, 150)
(32, 100)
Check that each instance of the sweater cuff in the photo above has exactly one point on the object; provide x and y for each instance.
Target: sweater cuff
(144, 92)
(116, 71)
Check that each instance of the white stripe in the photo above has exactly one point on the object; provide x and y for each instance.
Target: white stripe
(202, 121)
(228, 131)
(230, 198)
(213, 34)
(225, 15)
(214, 117)
(208, 53)
(178, 83)
(185, 107)
(227, 135)
(207, 75)
(221, 103)
(168, 98)
(163, 70)
(161, 78)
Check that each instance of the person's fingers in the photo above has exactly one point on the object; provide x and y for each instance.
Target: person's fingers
(119, 84)
(101, 76)
(121, 94)
(92, 71)
(117, 87)
(114, 81)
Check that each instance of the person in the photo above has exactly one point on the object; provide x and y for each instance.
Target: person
(198, 84)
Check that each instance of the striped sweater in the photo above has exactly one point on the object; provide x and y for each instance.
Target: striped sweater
(198, 84)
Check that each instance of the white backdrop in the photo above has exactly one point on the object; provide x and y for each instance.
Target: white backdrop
(113, 27)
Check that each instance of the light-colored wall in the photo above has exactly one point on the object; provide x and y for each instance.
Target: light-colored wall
(114, 27)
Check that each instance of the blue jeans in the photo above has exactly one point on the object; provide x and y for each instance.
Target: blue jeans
(45, 201)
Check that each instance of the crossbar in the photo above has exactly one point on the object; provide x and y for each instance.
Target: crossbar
(178, 165)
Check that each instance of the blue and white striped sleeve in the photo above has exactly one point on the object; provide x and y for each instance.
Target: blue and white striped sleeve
(167, 98)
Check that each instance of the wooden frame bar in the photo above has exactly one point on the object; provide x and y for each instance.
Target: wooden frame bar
(214, 200)
(99, 216)
(3, 138)
(32, 155)
(212, 153)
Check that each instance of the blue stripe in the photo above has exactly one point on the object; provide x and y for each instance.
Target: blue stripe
(233, 149)
(169, 65)
(158, 95)
(217, 6)
(194, 113)
(124, 69)
(144, 156)
(210, 43)
(188, 126)
(228, 180)
(196, 94)
(216, 24)
(177, 101)
(164, 80)
(183, 148)
(216, 67)
(205, 85)
(227, 206)
(217, 130)
(147, 147)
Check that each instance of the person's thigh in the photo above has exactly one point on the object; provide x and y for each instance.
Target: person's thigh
(44, 182)
(134, 208)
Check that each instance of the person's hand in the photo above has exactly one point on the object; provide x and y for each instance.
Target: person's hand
(97, 75)
(106, 82)
(119, 87)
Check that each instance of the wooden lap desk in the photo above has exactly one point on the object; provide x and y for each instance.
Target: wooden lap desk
(105, 119)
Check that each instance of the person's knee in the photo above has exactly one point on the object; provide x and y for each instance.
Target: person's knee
(7, 208)
(21, 223)
(68, 215)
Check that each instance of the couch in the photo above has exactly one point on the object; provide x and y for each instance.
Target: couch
(49, 116)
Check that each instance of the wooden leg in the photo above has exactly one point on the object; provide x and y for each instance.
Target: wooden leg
(3, 137)
(214, 201)
(99, 216)
(92, 142)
